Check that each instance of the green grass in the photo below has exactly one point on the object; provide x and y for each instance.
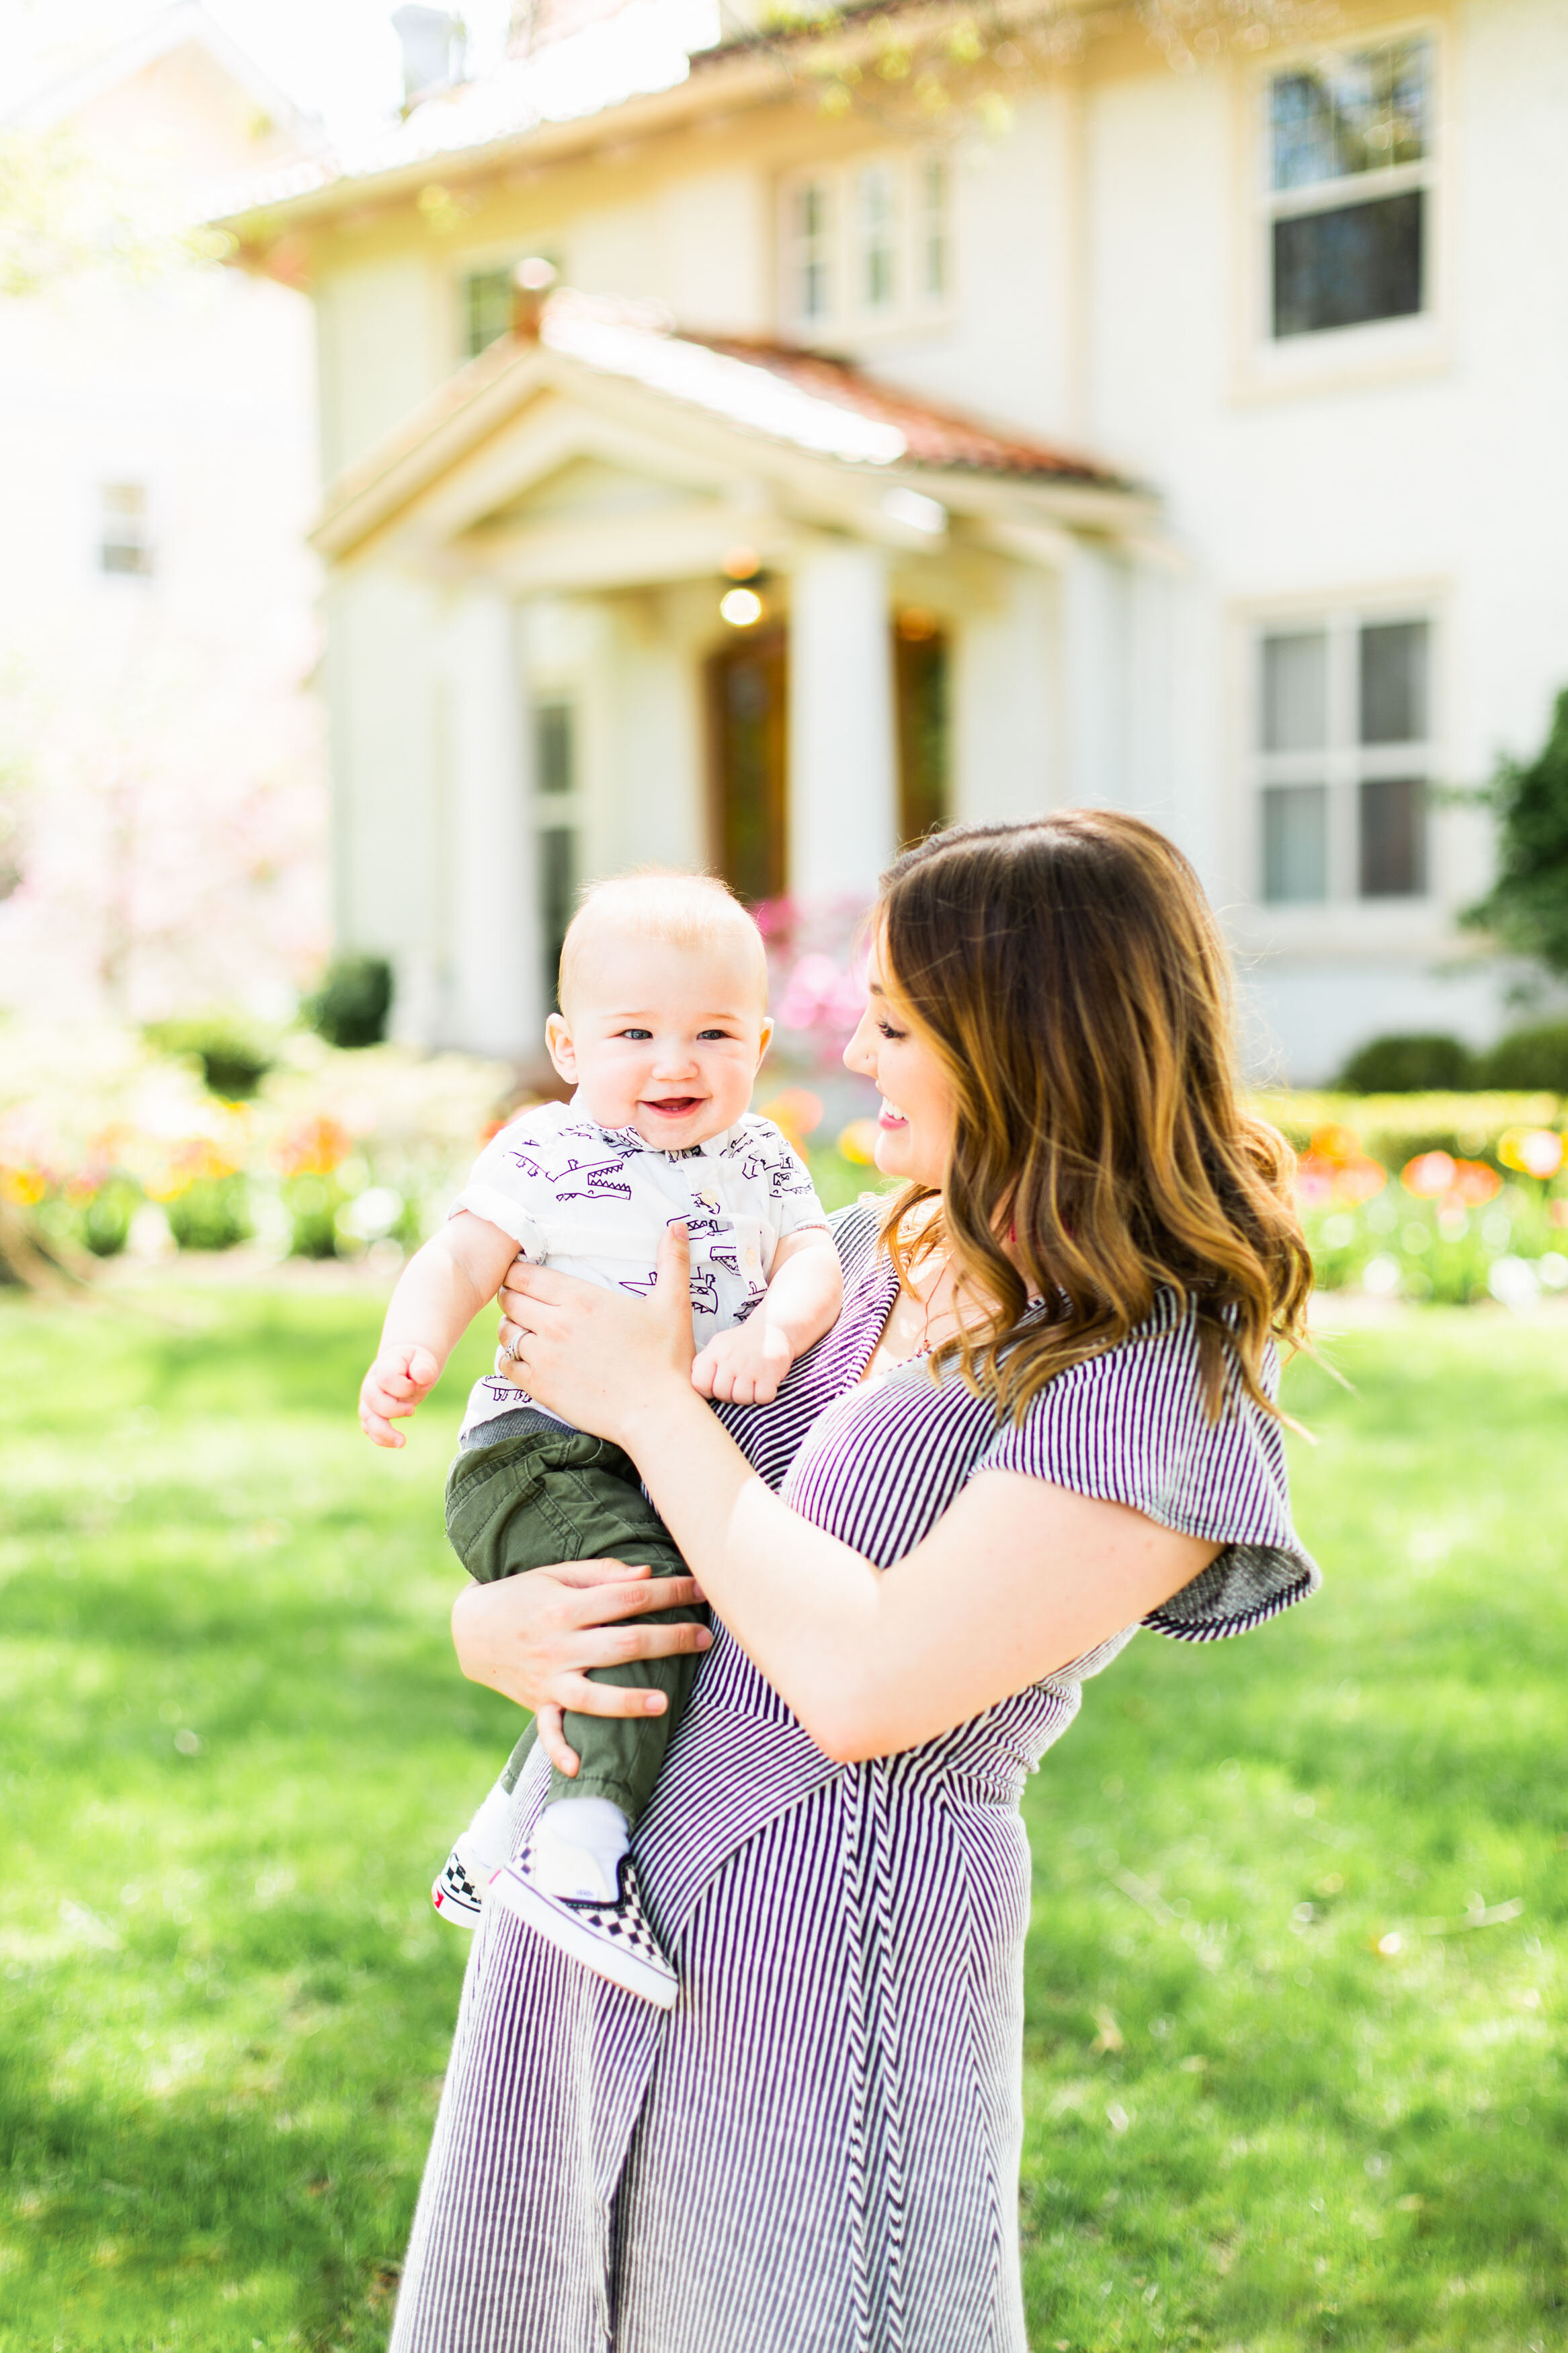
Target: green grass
(226, 2004)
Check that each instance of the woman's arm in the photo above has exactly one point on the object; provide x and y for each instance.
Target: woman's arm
(1016, 1579)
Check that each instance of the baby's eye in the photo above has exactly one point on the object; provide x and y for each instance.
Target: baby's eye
(638, 1036)
(705, 1036)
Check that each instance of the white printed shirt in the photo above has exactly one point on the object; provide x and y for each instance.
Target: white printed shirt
(595, 1201)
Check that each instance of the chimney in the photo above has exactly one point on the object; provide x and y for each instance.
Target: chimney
(432, 45)
(531, 283)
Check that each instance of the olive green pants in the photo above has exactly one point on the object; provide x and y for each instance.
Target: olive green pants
(540, 1493)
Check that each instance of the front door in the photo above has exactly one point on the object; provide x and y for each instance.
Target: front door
(748, 737)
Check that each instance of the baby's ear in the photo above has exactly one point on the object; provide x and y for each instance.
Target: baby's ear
(766, 1038)
(561, 1051)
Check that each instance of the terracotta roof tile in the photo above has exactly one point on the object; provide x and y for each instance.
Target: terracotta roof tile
(933, 435)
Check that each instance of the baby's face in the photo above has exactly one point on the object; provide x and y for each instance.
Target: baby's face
(663, 1039)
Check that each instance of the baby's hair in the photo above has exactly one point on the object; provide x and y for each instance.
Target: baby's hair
(662, 902)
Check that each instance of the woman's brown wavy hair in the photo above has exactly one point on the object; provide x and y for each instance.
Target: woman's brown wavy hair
(1070, 975)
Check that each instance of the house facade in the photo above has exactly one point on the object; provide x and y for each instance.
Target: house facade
(161, 765)
(1185, 438)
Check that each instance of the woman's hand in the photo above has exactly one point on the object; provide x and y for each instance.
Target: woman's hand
(534, 1638)
(596, 1356)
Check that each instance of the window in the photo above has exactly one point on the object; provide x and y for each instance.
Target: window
(124, 539)
(557, 817)
(1343, 753)
(486, 299)
(486, 304)
(866, 245)
(1349, 180)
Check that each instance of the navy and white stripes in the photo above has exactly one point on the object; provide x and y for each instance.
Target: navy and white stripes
(817, 2150)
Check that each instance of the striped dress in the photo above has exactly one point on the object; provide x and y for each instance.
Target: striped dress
(816, 2149)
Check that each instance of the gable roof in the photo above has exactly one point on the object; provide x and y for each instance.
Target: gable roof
(63, 79)
(765, 395)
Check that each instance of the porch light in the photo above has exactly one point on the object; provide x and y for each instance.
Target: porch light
(741, 607)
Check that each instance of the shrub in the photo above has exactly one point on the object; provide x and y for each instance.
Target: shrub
(234, 1057)
(1529, 1059)
(210, 1213)
(1423, 1062)
(1527, 907)
(351, 1006)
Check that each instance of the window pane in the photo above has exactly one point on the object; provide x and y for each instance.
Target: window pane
(1295, 843)
(1296, 692)
(1393, 682)
(1359, 112)
(878, 236)
(1392, 837)
(487, 309)
(124, 544)
(555, 763)
(813, 231)
(1355, 262)
(557, 900)
(933, 229)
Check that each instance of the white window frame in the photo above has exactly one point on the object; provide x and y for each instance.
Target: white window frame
(1416, 341)
(1343, 764)
(843, 249)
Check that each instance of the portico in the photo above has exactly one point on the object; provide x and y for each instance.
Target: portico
(539, 670)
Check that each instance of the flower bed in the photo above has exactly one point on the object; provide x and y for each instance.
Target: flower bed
(105, 1143)
(1444, 1197)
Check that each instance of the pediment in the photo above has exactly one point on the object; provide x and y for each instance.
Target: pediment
(589, 489)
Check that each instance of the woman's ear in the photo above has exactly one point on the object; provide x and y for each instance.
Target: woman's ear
(561, 1051)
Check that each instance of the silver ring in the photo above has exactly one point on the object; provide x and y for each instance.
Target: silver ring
(510, 1353)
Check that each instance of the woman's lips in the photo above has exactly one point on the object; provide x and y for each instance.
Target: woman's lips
(889, 1117)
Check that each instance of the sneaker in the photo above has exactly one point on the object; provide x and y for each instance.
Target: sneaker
(456, 1894)
(613, 1939)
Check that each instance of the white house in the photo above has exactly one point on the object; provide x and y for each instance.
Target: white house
(1190, 440)
(160, 761)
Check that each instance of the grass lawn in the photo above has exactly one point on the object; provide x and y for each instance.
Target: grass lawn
(1295, 2068)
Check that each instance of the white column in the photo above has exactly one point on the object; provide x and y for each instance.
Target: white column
(494, 941)
(1096, 633)
(843, 748)
(1006, 749)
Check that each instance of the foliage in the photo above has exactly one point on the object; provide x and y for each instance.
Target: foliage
(1293, 2040)
(65, 213)
(1536, 1057)
(351, 1006)
(959, 66)
(1419, 1064)
(234, 1055)
(1526, 910)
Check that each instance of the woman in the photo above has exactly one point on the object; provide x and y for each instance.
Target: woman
(1049, 1401)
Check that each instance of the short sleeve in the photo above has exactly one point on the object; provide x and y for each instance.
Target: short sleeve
(1129, 1427)
(792, 1201)
(509, 1185)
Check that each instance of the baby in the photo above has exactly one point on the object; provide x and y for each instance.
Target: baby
(663, 1023)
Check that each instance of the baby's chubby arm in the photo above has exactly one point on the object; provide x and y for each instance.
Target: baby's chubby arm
(441, 1291)
(805, 1293)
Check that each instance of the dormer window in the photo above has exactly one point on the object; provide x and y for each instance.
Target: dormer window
(866, 244)
(1348, 178)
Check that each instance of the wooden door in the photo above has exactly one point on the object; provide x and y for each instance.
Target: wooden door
(748, 753)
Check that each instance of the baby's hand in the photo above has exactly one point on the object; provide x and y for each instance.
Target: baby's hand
(745, 1365)
(399, 1380)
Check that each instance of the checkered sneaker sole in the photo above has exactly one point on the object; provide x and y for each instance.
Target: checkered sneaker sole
(455, 1895)
(613, 1939)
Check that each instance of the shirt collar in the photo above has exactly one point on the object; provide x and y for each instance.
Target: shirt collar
(631, 1139)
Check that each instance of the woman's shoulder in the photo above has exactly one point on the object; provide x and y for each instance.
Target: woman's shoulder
(856, 1230)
